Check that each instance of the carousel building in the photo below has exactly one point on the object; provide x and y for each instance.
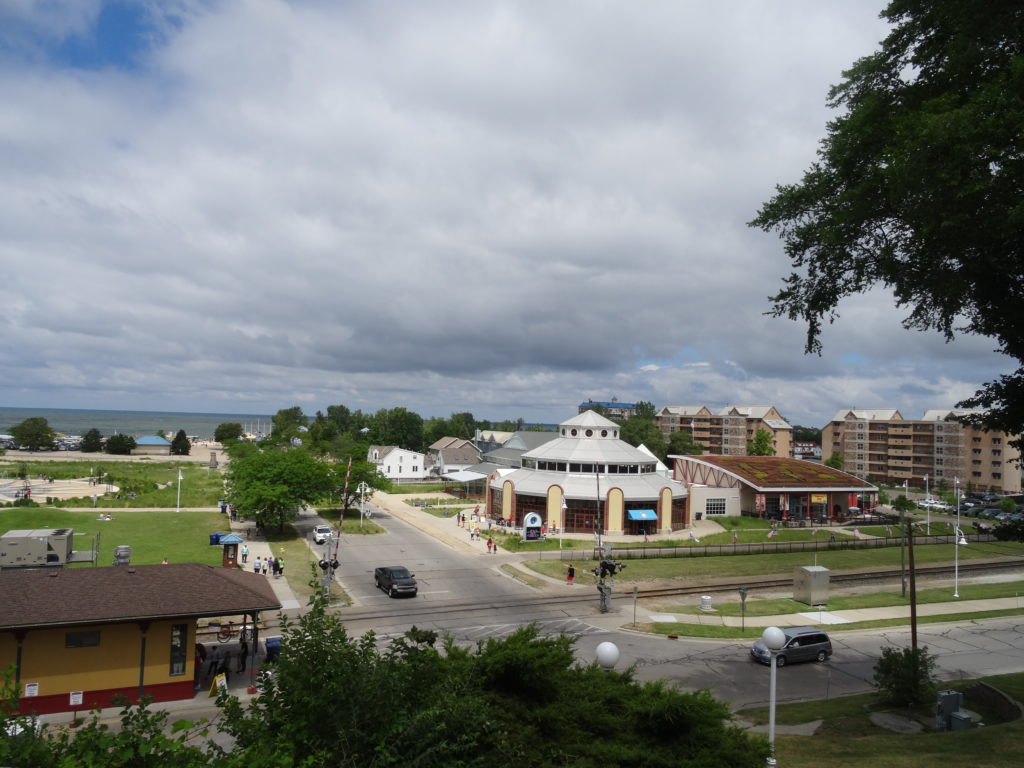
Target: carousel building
(586, 480)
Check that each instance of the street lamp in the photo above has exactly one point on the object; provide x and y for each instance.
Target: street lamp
(959, 541)
(773, 638)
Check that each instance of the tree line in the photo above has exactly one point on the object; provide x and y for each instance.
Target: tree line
(36, 434)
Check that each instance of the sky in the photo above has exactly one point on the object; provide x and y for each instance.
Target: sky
(506, 208)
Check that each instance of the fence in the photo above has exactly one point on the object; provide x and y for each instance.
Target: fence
(630, 552)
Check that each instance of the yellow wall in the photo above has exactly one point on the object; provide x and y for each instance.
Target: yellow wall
(555, 496)
(665, 510)
(508, 491)
(111, 664)
(613, 512)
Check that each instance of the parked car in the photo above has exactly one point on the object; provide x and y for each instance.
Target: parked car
(933, 504)
(321, 533)
(395, 580)
(802, 644)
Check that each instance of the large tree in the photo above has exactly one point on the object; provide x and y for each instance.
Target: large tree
(92, 441)
(33, 433)
(522, 700)
(919, 187)
(228, 431)
(638, 431)
(761, 445)
(681, 443)
(180, 445)
(273, 483)
(120, 444)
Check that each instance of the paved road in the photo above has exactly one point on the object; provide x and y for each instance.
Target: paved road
(464, 594)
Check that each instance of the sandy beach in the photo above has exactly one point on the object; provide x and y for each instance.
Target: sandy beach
(200, 454)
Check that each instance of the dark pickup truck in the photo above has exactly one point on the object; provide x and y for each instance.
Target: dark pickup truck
(395, 580)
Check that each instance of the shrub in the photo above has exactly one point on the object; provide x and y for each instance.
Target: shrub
(906, 676)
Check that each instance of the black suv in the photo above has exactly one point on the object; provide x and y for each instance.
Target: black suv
(802, 644)
(395, 580)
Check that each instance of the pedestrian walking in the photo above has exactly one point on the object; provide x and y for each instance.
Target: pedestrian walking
(243, 653)
(257, 566)
(280, 566)
(275, 567)
(490, 545)
(735, 537)
(570, 574)
(245, 553)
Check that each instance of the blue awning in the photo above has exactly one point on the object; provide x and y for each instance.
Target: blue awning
(642, 514)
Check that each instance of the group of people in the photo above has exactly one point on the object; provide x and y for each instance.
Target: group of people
(273, 565)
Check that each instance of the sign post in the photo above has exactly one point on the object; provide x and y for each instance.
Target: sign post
(743, 608)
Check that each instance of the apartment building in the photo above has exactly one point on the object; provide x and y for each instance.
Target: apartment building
(881, 446)
(612, 409)
(727, 431)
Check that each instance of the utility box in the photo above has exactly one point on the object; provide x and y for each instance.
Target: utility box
(38, 548)
(948, 702)
(960, 721)
(810, 584)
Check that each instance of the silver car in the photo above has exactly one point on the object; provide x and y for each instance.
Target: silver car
(802, 644)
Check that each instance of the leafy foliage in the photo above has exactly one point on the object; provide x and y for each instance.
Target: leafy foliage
(761, 445)
(180, 445)
(905, 676)
(918, 187)
(639, 431)
(520, 700)
(228, 431)
(681, 443)
(34, 432)
(835, 460)
(120, 444)
(271, 483)
(92, 441)
(1012, 530)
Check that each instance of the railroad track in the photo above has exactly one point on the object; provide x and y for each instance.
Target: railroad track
(415, 609)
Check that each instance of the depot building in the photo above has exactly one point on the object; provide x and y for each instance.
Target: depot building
(588, 479)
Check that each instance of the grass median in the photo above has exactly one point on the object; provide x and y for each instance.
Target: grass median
(847, 737)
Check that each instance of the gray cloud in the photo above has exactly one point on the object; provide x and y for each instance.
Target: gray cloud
(502, 207)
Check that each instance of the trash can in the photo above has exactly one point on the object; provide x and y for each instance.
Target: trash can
(214, 539)
(273, 649)
(705, 602)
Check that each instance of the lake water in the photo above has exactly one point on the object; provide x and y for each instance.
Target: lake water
(75, 421)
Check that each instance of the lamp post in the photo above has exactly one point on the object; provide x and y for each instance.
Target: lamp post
(959, 541)
(178, 507)
(928, 498)
(774, 639)
(561, 527)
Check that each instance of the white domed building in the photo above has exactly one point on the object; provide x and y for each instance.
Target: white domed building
(588, 479)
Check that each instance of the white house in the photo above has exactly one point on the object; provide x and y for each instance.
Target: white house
(397, 463)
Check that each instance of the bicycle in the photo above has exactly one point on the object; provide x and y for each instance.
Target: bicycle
(227, 632)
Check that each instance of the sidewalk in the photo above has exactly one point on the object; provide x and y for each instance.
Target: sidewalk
(814, 617)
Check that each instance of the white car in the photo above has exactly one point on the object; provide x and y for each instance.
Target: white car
(321, 533)
(933, 504)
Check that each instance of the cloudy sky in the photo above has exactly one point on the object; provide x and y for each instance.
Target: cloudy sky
(447, 205)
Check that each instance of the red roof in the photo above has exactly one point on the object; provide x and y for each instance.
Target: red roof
(782, 472)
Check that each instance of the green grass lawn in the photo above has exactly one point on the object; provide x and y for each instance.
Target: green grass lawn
(700, 569)
(178, 536)
(201, 487)
(851, 602)
(848, 739)
(301, 569)
(352, 522)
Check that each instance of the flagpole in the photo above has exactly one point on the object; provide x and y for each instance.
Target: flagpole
(178, 509)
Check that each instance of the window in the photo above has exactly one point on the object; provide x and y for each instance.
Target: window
(415, 468)
(179, 635)
(997, 475)
(714, 507)
(997, 452)
(81, 639)
(997, 441)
